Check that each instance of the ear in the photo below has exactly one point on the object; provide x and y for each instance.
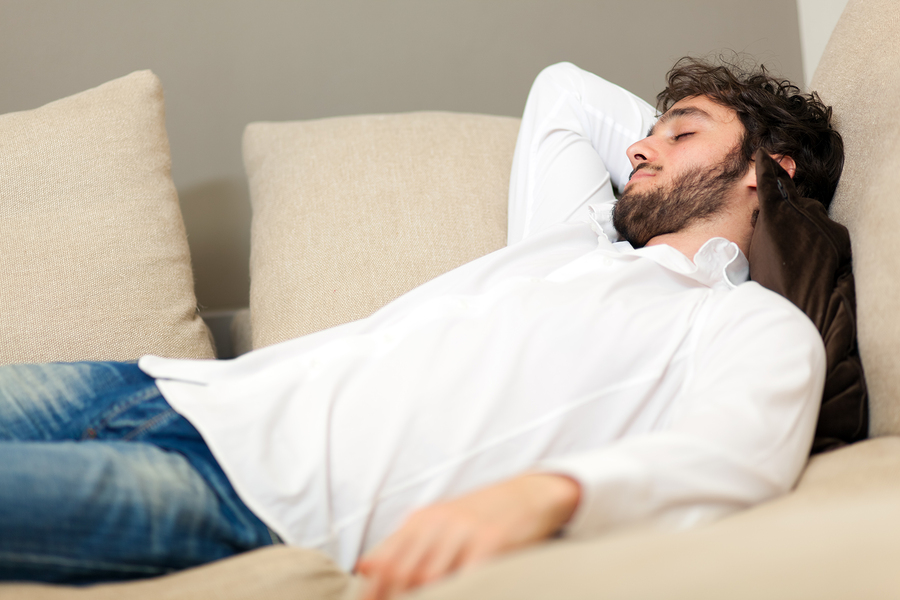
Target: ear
(749, 178)
(787, 163)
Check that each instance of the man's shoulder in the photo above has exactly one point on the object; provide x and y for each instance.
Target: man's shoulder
(751, 291)
(754, 308)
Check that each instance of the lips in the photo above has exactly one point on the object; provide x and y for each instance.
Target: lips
(642, 171)
(641, 175)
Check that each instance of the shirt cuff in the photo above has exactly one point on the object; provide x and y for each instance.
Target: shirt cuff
(607, 484)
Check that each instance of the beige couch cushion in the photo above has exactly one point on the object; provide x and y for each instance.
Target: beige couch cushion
(271, 573)
(94, 261)
(351, 212)
(859, 76)
(836, 537)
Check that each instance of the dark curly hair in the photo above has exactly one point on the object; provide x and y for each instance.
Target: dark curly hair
(776, 117)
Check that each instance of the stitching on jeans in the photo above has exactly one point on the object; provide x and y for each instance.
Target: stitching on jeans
(149, 424)
(118, 409)
(92, 430)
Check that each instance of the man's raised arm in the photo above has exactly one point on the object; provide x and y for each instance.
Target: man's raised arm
(571, 147)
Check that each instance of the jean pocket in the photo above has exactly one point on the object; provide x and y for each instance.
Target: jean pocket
(138, 414)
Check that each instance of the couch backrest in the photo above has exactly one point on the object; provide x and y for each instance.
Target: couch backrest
(859, 75)
(351, 212)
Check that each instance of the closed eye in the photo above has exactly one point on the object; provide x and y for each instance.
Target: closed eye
(681, 135)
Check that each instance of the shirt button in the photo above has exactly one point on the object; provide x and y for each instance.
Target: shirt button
(607, 262)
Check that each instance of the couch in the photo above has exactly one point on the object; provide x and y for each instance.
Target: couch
(351, 212)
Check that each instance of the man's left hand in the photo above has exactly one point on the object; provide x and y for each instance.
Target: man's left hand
(447, 536)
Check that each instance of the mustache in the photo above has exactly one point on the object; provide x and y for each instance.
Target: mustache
(644, 165)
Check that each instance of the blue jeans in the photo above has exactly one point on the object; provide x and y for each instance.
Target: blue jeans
(101, 480)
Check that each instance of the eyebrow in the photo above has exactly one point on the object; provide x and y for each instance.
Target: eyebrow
(674, 113)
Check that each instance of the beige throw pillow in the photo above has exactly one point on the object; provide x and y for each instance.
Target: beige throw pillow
(351, 212)
(94, 262)
(858, 76)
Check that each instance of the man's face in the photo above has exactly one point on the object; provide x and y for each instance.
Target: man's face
(685, 170)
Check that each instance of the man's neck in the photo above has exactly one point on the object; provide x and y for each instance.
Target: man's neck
(689, 241)
(687, 245)
(734, 223)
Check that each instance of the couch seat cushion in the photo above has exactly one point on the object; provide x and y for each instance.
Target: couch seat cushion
(836, 536)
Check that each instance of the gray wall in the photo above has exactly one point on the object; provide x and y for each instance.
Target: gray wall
(224, 63)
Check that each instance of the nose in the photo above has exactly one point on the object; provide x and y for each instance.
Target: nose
(641, 151)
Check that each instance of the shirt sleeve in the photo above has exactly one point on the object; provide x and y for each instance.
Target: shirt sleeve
(571, 147)
(741, 431)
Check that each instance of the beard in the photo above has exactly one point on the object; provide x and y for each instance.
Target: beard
(695, 195)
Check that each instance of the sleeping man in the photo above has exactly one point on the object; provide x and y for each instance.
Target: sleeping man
(610, 368)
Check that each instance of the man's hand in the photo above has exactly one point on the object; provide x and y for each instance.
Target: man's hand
(447, 536)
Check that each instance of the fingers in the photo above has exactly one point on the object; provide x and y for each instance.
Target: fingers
(428, 547)
(440, 539)
(445, 559)
(422, 553)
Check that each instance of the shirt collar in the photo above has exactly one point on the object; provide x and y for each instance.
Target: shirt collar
(719, 263)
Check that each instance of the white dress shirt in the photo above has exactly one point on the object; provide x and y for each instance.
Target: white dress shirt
(673, 390)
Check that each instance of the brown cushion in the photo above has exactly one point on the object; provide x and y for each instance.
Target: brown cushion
(799, 252)
(94, 262)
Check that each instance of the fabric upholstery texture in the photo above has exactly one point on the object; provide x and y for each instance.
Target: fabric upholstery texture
(836, 536)
(800, 253)
(93, 251)
(241, 336)
(338, 205)
(858, 77)
(270, 573)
